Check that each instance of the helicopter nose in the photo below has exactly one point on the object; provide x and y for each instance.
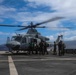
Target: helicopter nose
(13, 43)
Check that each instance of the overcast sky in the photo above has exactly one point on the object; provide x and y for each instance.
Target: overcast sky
(22, 12)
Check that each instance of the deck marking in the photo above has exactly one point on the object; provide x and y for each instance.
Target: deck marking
(45, 59)
(12, 67)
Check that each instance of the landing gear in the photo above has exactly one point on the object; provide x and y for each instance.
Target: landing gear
(15, 51)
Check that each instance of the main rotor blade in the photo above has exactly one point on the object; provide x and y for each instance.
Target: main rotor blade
(11, 25)
(24, 28)
(55, 27)
(50, 20)
(35, 25)
(41, 27)
(63, 28)
(30, 27)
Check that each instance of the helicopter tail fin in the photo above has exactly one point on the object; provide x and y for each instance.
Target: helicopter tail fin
(8, 40)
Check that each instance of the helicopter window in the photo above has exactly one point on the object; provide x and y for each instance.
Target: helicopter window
(13, 38)
(16, 38)
(24, 40)
(33, 40)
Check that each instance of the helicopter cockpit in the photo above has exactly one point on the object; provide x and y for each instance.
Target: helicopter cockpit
(16, 38)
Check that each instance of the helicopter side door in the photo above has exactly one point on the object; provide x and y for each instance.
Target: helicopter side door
(24, 43)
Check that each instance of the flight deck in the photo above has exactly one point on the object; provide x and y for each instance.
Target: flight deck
(23, 64)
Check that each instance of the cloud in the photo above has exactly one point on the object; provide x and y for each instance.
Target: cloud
(70, 38)
(69, 33)
(4, 33)
(32, 5)
(6, 9)
(1, 1)
(52, 38)
(66, 36)
(66, 7)
(1, 20)
(6, 12)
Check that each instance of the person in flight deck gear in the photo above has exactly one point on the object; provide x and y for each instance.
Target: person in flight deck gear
(31, 47)
(54, 52)
(45, 47)
(35, 47)
(29, 50)
(41, 47)
(60, 48)
(63, 48)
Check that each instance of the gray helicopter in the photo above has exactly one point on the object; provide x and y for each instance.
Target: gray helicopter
(21, 42)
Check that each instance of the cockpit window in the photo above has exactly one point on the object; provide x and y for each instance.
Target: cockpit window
(33, 40)
(16, 38)
(13, 38)
(24, 40)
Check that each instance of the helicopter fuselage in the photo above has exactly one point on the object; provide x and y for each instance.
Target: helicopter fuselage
(21, 43)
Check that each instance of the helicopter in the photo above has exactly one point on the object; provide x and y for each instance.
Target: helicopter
(21, 42)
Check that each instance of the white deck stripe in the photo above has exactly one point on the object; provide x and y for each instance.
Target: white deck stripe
(12, 67)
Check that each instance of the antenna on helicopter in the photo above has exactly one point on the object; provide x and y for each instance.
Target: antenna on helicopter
(8, 39)
(16, 33)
